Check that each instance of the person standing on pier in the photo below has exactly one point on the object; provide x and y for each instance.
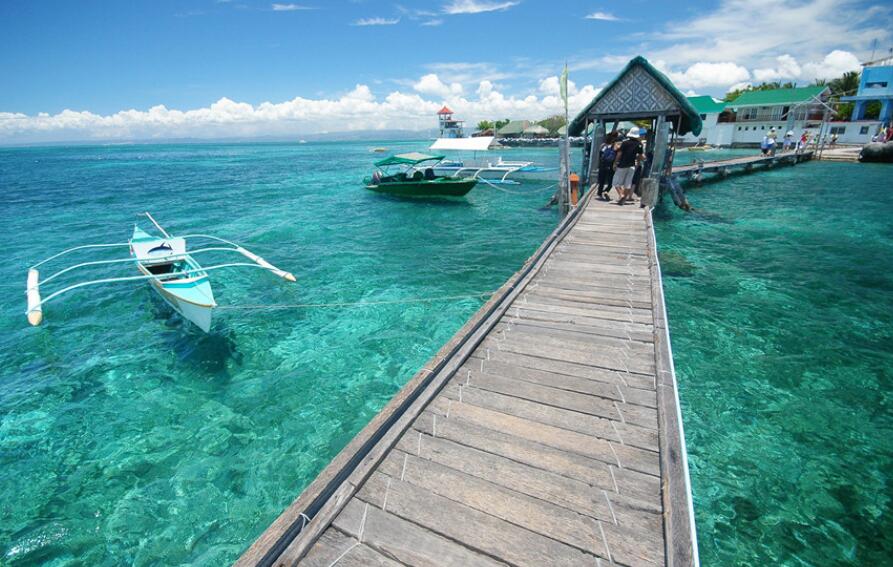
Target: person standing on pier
(606, 155)
(630, 154)
(788, 140)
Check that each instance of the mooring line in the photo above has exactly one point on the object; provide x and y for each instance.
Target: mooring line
(358, 303)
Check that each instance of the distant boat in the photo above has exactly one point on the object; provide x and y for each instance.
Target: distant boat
(379, 150)
(164, 262)
(415, 177)
(495, 171)
(303, 142)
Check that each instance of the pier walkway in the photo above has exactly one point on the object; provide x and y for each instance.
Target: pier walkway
(546, 432)
(696, 170)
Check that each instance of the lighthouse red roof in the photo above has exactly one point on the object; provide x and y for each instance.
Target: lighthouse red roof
(444, 110)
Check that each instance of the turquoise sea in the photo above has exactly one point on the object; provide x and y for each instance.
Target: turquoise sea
(129, 437)
(780, 297)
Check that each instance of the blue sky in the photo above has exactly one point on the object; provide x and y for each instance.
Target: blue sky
(340, 58)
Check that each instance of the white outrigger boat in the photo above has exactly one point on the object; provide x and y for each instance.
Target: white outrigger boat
(165, 263)
(488, 170)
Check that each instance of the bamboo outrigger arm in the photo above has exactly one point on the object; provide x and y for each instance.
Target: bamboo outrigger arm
(35, 303)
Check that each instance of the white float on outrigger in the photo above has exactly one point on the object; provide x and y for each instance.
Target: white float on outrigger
(165, 263)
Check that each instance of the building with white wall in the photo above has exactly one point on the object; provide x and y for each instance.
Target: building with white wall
(744, 121)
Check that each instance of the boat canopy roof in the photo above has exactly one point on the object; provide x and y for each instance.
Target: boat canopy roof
(475, 144)
(412, 158)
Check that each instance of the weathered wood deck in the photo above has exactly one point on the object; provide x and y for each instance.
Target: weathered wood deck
(547, 432)
(696, 170)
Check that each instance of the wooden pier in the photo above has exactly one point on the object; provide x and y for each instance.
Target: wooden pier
(722, 168)
(546, 432)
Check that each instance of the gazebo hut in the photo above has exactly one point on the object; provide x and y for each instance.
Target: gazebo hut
(640, 93)
(535, 131)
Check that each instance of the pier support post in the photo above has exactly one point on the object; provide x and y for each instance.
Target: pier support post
(590, 170)
(563, 172)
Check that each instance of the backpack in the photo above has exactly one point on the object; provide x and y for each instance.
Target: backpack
(608, 154)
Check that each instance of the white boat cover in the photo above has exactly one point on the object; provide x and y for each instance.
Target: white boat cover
(479, 144)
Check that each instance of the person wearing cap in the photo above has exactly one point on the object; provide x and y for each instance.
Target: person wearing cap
(788, 141)
(630, 154)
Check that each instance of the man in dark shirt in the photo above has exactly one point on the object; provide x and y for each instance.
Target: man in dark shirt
(630, 154)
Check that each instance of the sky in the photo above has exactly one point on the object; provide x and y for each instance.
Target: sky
(110, 70)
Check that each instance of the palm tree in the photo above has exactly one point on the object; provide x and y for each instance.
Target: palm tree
(847, 84)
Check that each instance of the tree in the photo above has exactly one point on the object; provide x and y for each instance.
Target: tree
(764, 86)
(500, 123)
(484, 125)
(846, 84)
(553, 123)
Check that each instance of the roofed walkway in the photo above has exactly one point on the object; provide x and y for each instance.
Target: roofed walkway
(546, 432)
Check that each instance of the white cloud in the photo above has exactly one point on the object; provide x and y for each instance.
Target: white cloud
(552, 86)
(432, 23)
(289, 7)
(477, 6)
(376, 22)
(431, 84)
(704, 74)
(603, 16)
(832, 66)
(786, 68)
(358, 109)
(805, 29)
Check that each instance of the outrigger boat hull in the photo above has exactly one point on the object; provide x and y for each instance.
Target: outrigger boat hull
(178, 278)
(199, 314)
(434, 188)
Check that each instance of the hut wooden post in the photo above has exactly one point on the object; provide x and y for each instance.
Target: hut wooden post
(651, 186)
(598, 136)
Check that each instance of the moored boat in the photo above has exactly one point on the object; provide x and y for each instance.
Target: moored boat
(165, 263)
(413, 175)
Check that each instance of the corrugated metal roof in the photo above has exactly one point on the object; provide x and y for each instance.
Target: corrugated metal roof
(777, 96)
(707, 104)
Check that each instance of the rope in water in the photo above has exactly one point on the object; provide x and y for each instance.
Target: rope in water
(360, 303)
(540, 190)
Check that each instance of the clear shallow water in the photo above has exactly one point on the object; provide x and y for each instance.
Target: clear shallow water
(126, 435)
(780, 298)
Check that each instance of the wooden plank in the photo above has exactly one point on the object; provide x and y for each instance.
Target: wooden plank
(607, 359)
(477, 530)
(623, 456)
(615, 391)
(576, 324)
(406, 542)
(603, 428)
(535, 514)
(585, 340)
(635, 490)
(645, 382)
(335, 547)
(547, 395)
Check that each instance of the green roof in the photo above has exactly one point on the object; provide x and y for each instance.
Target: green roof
(411, 158)
(513, 127)
(691, 121)
(777, 96)
(706, 104)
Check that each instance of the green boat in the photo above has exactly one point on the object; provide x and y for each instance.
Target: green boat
(412, 175)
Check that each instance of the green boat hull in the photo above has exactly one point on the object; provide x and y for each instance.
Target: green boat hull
(443, 187)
